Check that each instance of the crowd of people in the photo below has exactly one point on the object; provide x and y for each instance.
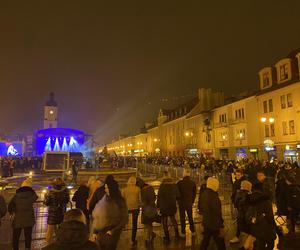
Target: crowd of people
(103, 209)
(11, 164)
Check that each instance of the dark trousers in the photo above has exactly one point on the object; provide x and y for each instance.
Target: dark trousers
(189, 211)
(109, 242)
(17, 234)
(263, 245)
(207, 234)
(135, 216)
(164, 220)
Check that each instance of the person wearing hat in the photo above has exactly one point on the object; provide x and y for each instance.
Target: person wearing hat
(21, 210)
(241, 198)
(212, 215)
(56, 199)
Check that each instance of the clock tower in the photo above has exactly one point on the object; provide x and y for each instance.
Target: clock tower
(50, 112)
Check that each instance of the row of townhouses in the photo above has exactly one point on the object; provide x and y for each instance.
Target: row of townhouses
(263, 125)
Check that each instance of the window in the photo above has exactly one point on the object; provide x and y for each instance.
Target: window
(289, 100)
(267, 131)
(240, 134)
(283, 72)
(222, 118)
(272, 130)
(270, 105)
(292, 127)
(266, 80)
(265, 104)
(208, 138)
(239, 114)
(284, 128)
(283, 102)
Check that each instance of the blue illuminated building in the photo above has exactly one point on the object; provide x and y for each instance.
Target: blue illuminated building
(59, 139)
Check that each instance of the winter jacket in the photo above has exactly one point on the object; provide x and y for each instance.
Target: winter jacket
(72, 235)
(80, 198)
(167, 196)
(148, 202)
(281, 196)
(235, 187)
(211, 210)
(109, 215)
(202, 189)
(132, 196)
(265, 226)
(56, 200)
(187, 191)
(21, 207)
(3, 208)
(97, 196)
(241, 201)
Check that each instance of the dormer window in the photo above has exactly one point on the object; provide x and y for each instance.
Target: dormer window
(266, 80)
(284, 70)
(265, 77)
(284, 74)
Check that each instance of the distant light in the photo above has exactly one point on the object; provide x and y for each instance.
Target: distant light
(224, 137)
(263, 119)
(51, 112)
(271, 120)
(241, 135)
(44, 191)
(187, 133)
(287, 147)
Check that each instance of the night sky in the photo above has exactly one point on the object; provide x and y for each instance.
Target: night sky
(112, 64)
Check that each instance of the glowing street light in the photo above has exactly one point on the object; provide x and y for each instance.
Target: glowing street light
(187, 133)
(271, 119)
(263, 119)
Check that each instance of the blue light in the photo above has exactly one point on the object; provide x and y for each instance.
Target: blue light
(59, 139)
(12, 151)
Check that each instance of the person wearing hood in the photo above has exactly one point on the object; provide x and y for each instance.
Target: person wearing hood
(212, 215)
(167, 196)
(80, 198)
(188, 191)
(56, 199)
(132, 196)
(73, 233)
(21, 210)
(260, 218)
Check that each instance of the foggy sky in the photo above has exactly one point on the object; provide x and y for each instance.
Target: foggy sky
(111, 64)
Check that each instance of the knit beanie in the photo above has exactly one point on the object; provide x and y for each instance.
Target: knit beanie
(212, 183)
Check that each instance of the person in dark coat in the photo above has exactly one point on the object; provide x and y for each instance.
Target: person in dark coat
(266, 185)
(73, 233)
(3, 207)
(167, 196)
(281, 193)
(260, 218)
(149, 210)
(21, 210)
(80, 198)
(239, 177)
(56, 199)
(202, 188)
(187, 192)
(212, 216)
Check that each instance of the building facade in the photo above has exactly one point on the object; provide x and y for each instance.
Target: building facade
(261, 125)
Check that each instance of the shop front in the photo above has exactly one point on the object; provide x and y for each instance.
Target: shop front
(192, 152)
(208, 153)
(241, 153)
(270, 149)
(253, 153)
(290, 154)
(224, 153)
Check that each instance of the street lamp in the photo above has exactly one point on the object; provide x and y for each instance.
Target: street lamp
(271, 120)
(263, 119)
